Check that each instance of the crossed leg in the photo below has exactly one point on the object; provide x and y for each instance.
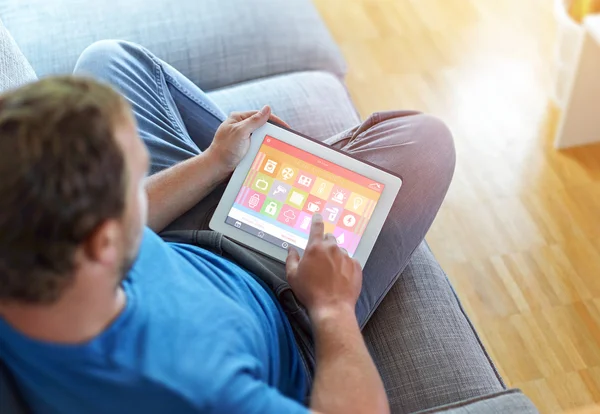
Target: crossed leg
(177, 120)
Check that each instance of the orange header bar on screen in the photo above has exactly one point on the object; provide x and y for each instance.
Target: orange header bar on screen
(294, 162)
(323, 164)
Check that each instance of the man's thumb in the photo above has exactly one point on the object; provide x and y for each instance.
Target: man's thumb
(258, 119)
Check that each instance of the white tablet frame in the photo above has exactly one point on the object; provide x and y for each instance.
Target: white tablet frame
(391, 182)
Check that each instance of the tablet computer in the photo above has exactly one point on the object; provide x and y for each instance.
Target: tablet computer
(285, 178)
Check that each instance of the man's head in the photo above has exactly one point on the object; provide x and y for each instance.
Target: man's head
(72, 199)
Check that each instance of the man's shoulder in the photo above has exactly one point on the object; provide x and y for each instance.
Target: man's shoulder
(155, 257)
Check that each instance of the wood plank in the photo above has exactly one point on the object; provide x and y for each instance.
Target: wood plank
(519, 232)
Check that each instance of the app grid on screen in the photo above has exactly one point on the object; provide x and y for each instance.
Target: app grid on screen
(286, 186)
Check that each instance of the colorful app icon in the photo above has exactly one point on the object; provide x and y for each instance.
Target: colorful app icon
(328, 227)
(322, 188)
(346, 239)
(348, 220)
(305, 180)
(287, 173)
(288, 215)
(261, 183)
(304, 222)
(254, 200)
(271, 208)
(279, 190)
(314, 205)
(339, 195)
(297, 198)
(357, 203)
(369, 209)
(270, 166)
(331, 213)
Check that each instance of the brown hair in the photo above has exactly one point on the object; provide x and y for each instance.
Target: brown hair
(62, 173)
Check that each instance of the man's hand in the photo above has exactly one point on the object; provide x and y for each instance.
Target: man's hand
(326, 278)
(328, 282)
(175, 190)
(232, 139)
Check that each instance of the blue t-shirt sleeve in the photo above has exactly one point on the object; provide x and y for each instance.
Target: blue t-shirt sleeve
(246, 394)
(239, 386)
(232, 379)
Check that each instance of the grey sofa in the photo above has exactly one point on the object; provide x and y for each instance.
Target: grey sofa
(249, 53)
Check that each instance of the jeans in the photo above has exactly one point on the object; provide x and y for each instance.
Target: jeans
(177, 120)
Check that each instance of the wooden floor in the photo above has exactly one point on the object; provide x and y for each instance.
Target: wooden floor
(519, 233)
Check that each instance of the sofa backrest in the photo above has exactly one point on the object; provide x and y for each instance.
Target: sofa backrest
(215, 43)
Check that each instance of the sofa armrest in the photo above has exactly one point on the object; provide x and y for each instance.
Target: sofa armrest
(511, 401)
(15, 70)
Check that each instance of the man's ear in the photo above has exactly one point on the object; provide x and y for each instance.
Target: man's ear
(103, 244)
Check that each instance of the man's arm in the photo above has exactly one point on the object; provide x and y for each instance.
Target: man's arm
(175, 190)
(328, 282)
(347, 380)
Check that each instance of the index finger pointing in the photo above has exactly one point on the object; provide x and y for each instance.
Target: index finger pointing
(316, 229)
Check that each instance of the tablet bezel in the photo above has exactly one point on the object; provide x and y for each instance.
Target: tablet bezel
(391, 182)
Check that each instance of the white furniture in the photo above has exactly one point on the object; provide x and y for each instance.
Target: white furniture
(580, 120)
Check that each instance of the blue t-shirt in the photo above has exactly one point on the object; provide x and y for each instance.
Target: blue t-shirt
(198, 334)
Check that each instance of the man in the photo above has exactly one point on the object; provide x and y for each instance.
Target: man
(99, 314)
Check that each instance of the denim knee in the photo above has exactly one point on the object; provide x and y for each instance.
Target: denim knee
(105, 58)
(431, 139)
(435, 135)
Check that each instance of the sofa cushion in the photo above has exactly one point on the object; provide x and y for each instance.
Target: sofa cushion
(423, 343)
(505, 402)
(213, 42)
(313, 103)
(14, 68)
(11, 400)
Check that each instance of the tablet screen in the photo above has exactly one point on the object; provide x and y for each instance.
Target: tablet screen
(286, 186)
